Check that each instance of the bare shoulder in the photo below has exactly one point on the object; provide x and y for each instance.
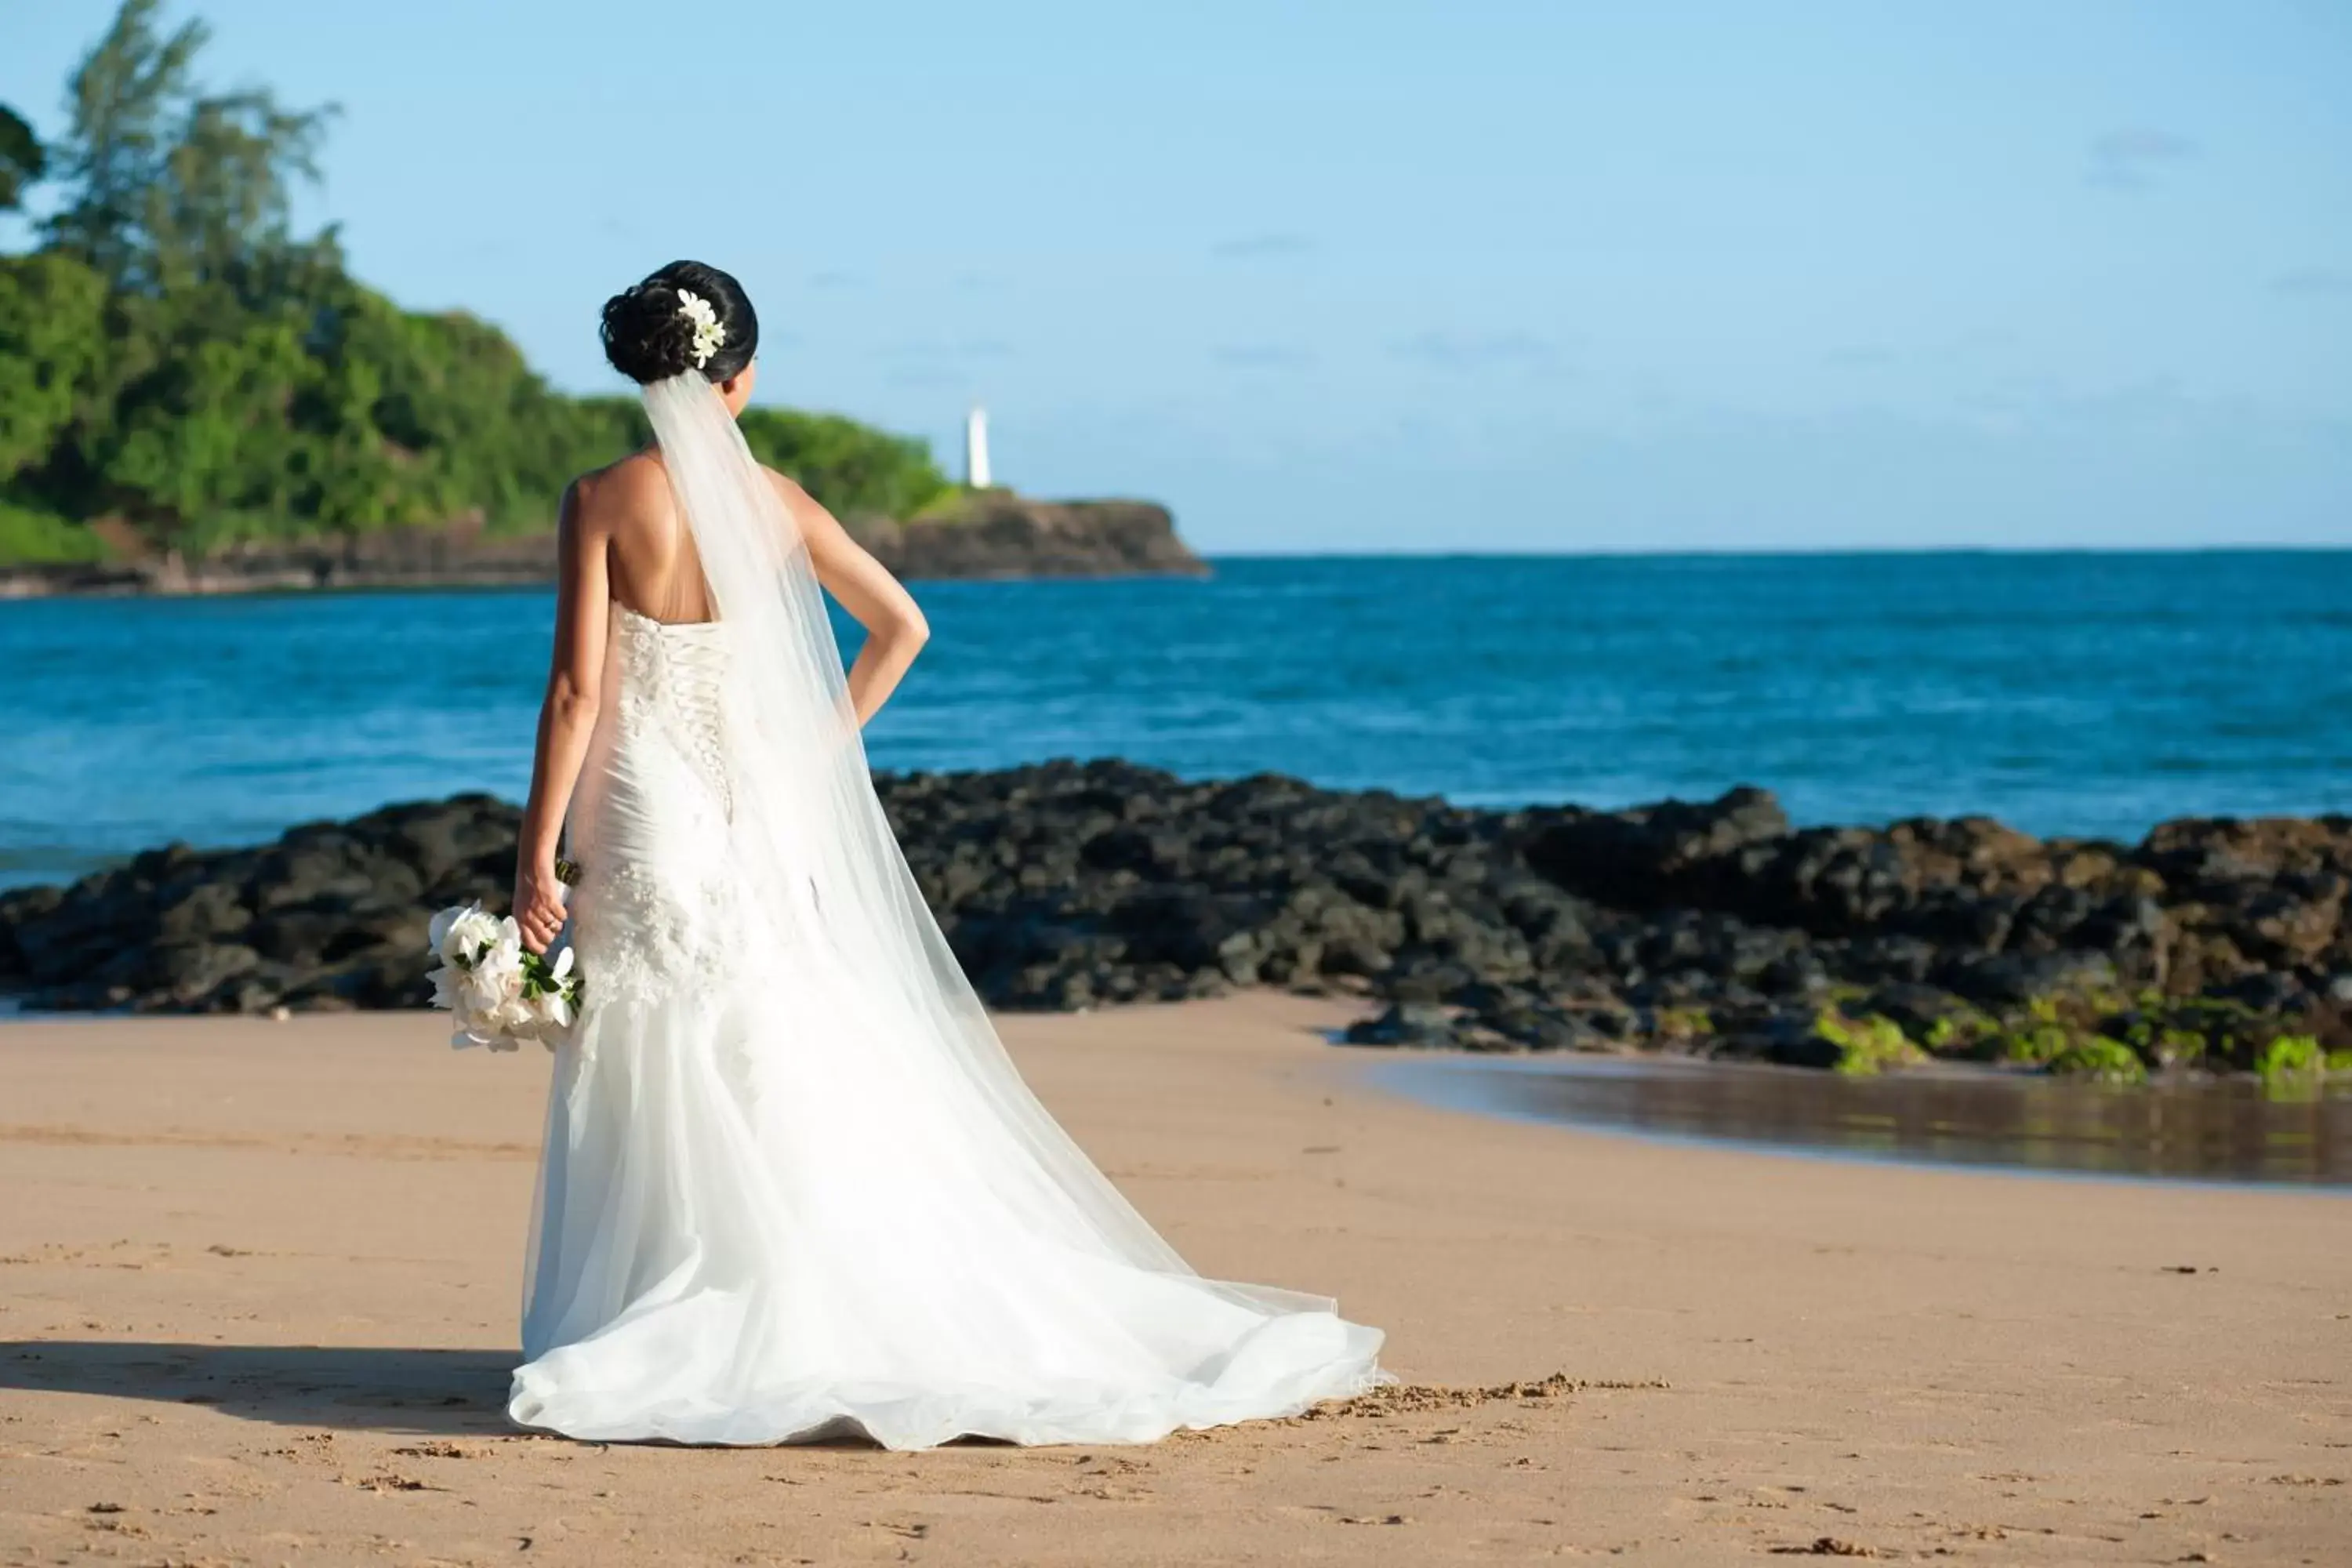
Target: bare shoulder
(806, 509)
(789, 489)
(606, 500)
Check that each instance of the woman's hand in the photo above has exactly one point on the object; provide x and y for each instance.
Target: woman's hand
(538, 906)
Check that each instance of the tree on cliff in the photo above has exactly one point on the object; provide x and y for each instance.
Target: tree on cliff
(168, 184)
(176, 359)
(21, 159)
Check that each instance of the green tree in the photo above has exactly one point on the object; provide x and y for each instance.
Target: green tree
(853, 468)
(52, 342)
(177, 360)
(165, 183)
(22, 161)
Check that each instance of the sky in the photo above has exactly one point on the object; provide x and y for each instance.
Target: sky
(1377, 275)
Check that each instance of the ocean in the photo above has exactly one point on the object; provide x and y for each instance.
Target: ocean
(2084, 694)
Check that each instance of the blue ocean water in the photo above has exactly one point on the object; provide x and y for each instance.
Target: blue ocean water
(2064, 693)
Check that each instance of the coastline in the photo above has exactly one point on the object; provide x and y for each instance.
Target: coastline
(987, 535)
(1716, 928)
(263, 1276)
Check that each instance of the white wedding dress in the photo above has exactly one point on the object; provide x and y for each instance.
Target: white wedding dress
(792, 1188)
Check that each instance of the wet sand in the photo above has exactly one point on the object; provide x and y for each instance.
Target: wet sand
(2294, 1130)
(258, 1288)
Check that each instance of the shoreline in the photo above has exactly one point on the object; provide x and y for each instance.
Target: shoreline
(264, 1275)
(2022, 1124)
(1888, 1134)
(1713, 929)
(990, 536)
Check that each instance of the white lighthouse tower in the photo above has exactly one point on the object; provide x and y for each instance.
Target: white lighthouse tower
(975, 448)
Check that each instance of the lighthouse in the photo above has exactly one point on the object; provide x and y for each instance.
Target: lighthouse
(975, 448)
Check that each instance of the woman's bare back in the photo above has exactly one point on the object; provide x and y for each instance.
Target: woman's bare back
(652, 563)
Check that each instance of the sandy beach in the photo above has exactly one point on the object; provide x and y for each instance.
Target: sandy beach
(258, 1282)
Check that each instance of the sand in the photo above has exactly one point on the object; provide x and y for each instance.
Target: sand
(258, 1288)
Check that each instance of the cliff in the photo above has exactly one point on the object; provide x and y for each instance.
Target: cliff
(460, 554)
(994, 534)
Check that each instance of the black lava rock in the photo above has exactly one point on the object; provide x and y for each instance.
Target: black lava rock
(1715, 926)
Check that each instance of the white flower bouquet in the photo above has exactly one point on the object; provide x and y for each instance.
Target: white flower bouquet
(498, 993)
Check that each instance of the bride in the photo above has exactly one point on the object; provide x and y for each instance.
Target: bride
(791, 1186)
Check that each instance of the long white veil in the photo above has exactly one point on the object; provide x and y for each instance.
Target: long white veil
(791, 1180)
(817, 847)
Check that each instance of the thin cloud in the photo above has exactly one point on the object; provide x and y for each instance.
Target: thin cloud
(2312, 282)
(1257, 246)
(1478, 350)
(1862, 356)
(1260, 356)
(936, 350)
(2132, 158)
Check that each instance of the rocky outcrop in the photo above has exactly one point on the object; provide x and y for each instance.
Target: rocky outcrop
(1715, 928)
(458, 555)
(988, 534)
(998, 534)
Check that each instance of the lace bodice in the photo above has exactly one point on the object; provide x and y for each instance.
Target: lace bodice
(659, 902)
(671, 675)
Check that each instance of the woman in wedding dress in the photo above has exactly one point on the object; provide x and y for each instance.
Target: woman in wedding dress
(791, 1186)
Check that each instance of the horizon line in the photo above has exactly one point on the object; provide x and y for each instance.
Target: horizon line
(1438, 553)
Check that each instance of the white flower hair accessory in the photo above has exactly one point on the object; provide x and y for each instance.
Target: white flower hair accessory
(709, 337)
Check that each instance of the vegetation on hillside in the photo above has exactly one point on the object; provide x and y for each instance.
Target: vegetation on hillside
(176, 361)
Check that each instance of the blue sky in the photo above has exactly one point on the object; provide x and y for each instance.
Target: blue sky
(1375, 275)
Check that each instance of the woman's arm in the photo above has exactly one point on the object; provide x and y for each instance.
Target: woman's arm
(567, 717)
(894, 629)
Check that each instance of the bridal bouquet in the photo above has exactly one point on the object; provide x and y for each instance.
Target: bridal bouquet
(498, 993)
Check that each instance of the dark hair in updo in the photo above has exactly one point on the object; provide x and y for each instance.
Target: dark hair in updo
(647, 338)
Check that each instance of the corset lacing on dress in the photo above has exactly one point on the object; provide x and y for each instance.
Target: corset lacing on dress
(671, 672)
(659, 899)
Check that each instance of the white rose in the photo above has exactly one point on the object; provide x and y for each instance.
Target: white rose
(513, 1012)
(463, 932)
(480, 989)
(477, 929)
(503, 957)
